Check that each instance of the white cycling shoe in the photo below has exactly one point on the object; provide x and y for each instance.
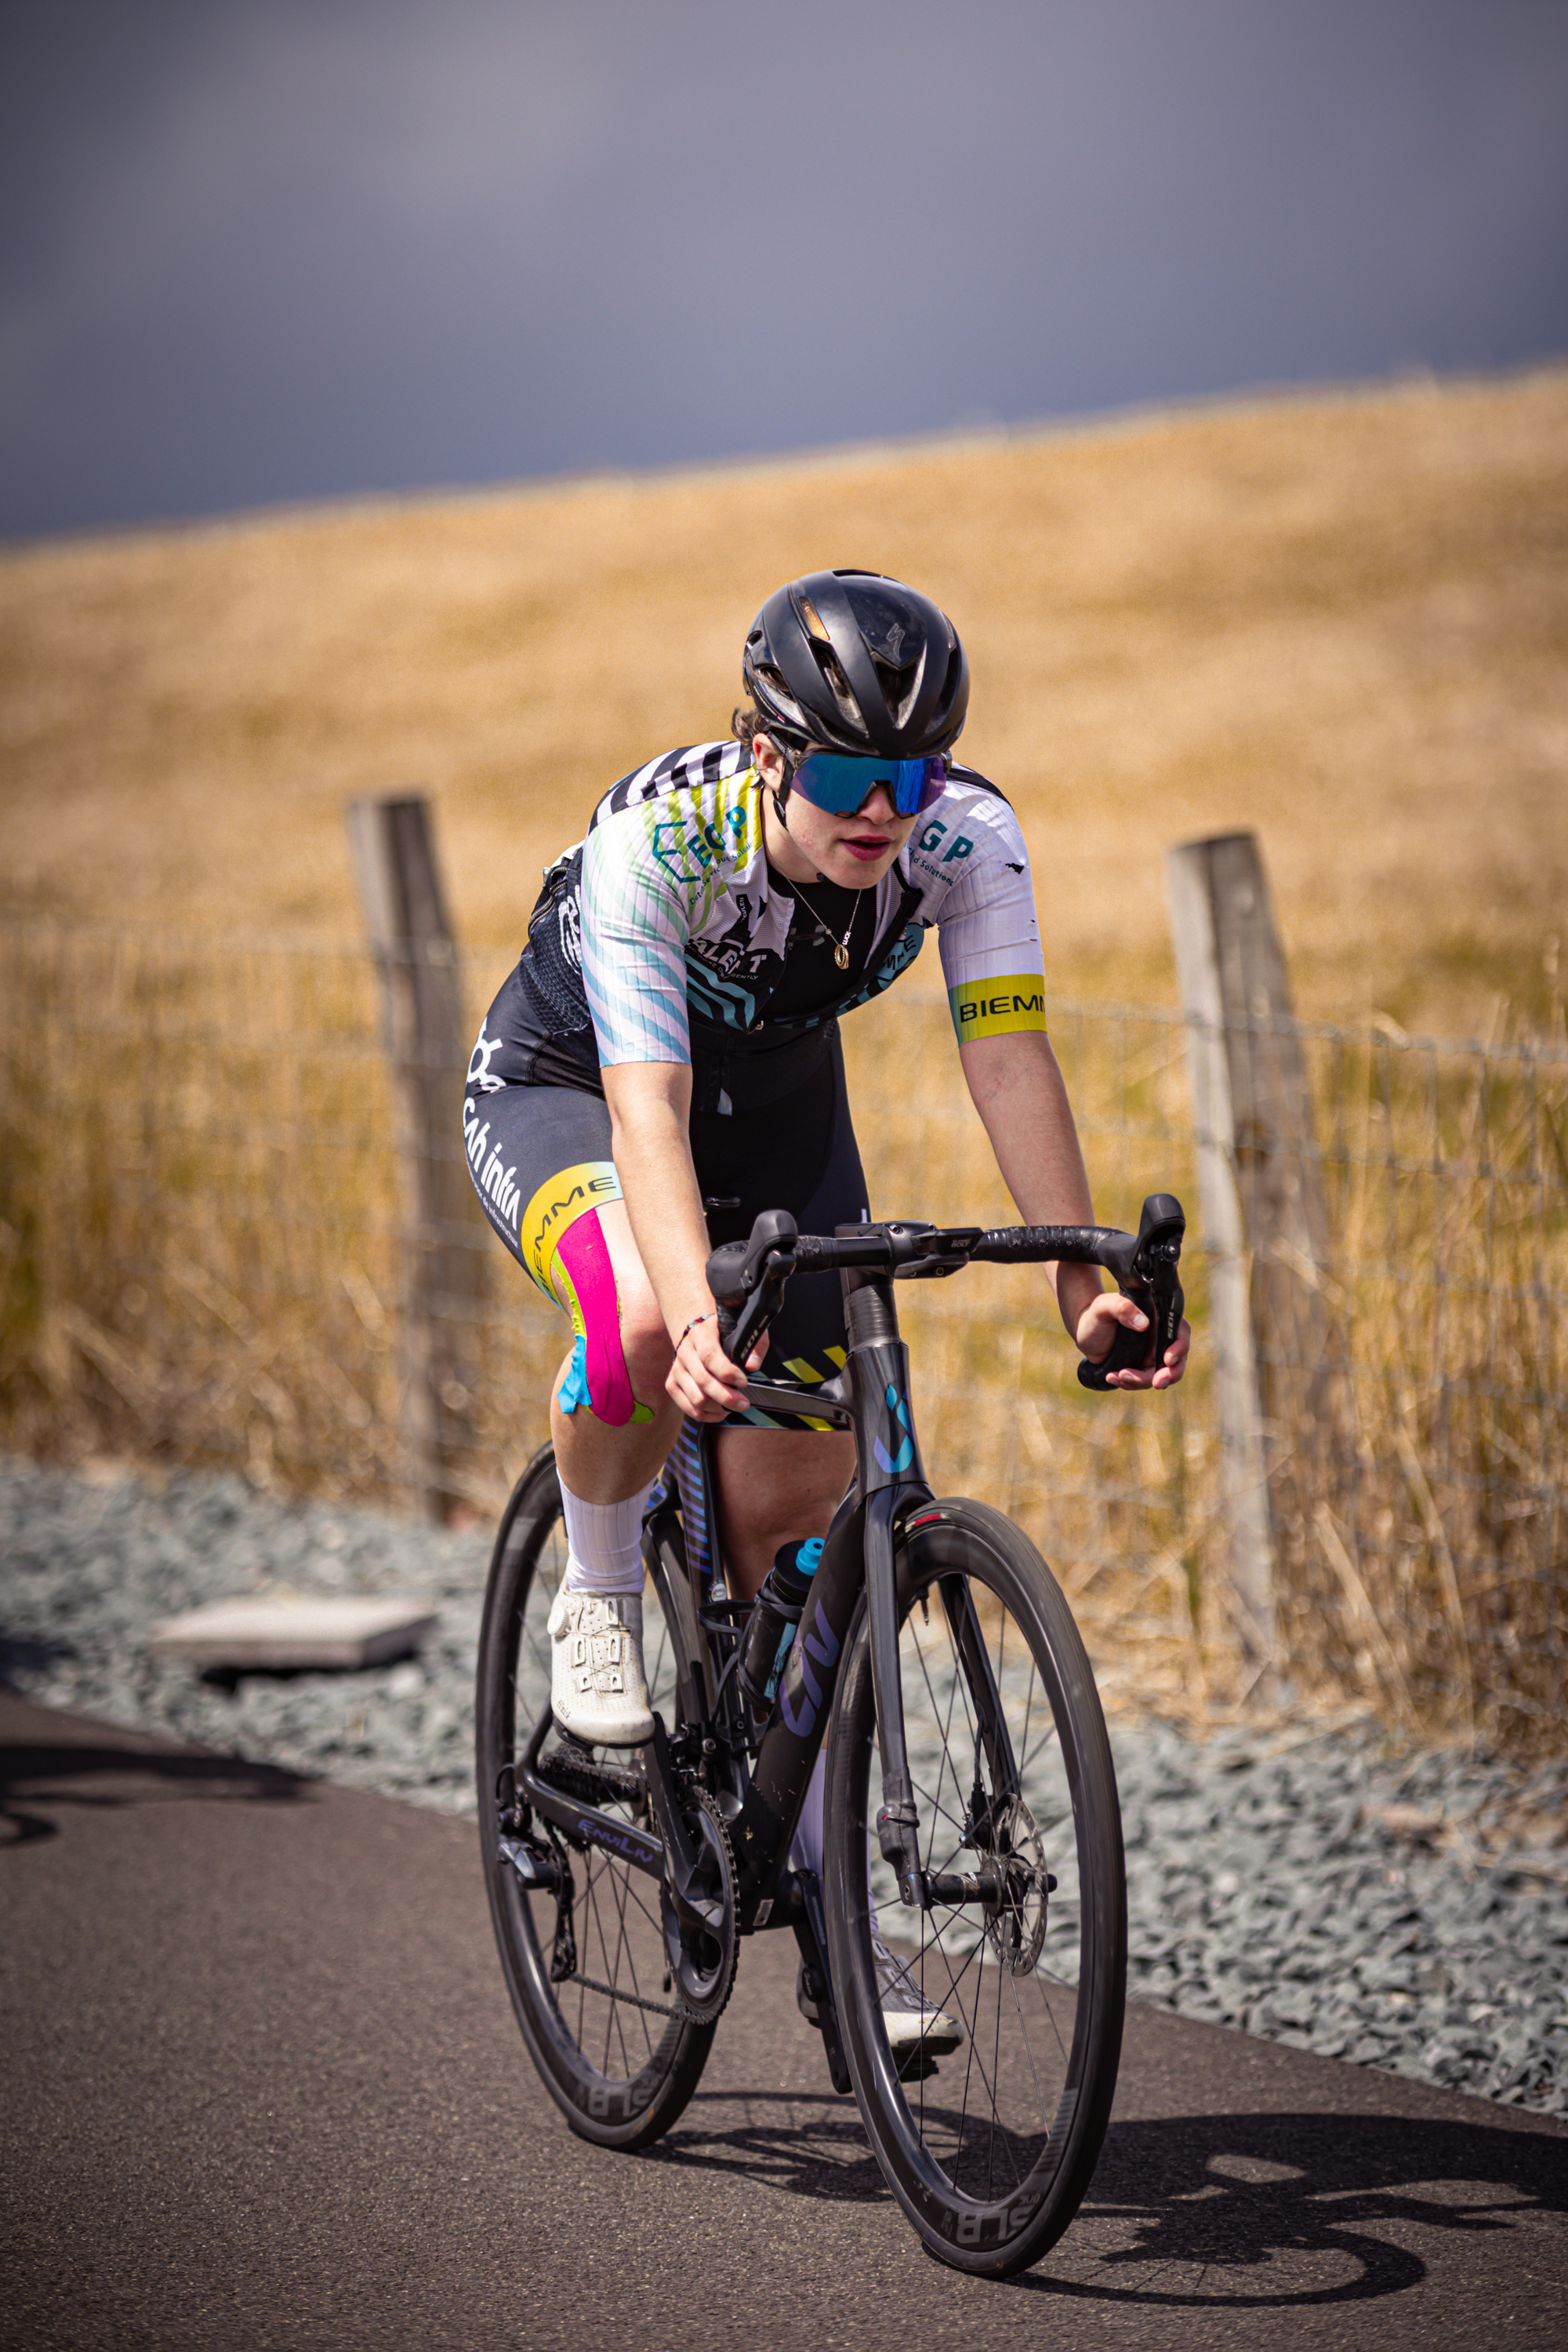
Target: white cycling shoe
(911, 2023)
(597, 1690)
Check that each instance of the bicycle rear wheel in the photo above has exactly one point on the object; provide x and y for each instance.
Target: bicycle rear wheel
(990, 2154)
(588, 1975)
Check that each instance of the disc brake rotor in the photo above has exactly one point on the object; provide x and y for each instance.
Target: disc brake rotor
(1016, 1928)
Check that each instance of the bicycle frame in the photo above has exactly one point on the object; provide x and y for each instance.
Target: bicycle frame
(871, 1397)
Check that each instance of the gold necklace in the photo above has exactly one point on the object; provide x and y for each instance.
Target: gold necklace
(840, 947)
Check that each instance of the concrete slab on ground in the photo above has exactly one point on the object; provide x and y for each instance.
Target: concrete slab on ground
(264, 2089)
(279, 1632)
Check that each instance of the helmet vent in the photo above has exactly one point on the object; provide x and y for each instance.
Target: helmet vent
(776, 694)
(838, 684)
(853, 661)
(899, 687)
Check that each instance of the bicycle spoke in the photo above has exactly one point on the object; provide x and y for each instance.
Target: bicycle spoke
(938, 1811)
(600, 2027)
(984, 1691)
(996, 2076)
(1046, 1740)
(1028, 1710)
(1028, 2046)
(951, 1993)
(624, 1944)
(931, 1693)
(615, 2028)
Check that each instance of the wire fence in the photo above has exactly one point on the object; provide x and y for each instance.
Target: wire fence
(204, 1260)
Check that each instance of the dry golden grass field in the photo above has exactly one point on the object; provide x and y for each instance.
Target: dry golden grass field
(1342, 620)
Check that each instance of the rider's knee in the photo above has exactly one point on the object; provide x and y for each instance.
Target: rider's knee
(620, 1359)
(645, 1343)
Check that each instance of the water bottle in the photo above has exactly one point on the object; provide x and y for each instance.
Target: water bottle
(774, 1615)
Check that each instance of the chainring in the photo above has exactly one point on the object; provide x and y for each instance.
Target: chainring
(702, 1954)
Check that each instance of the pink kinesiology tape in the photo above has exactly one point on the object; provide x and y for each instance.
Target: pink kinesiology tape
(583, 1252)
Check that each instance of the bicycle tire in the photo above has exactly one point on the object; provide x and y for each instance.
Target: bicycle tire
(991, 2166)
(609, 2040)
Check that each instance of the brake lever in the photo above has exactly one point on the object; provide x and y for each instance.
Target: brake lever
(1149, 1276)
(747, 1280)
(738, 1339)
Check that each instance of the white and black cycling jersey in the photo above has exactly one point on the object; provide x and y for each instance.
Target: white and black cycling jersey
(664, 935)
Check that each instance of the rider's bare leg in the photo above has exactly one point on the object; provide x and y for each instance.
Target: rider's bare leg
(774, 1484)
(601, 1462)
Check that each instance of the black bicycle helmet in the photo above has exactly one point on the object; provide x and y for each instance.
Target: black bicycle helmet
(857, 662)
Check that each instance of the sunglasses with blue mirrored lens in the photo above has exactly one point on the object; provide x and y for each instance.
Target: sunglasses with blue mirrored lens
(842, 782)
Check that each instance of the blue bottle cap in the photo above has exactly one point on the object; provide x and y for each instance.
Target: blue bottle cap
(808, 1558)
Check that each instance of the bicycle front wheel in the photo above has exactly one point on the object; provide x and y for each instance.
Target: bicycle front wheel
(586, 1969)
(989, 2152)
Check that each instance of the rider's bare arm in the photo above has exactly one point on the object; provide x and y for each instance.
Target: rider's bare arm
(650, 1110)
(1017, 1087)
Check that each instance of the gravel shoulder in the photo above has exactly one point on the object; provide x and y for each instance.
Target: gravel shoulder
(1402, 1909)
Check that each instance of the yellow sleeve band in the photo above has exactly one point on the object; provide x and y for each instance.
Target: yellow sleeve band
(993, 1008)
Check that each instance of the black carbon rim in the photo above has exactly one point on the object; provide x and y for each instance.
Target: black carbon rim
(609, 2039)
(990, 2148)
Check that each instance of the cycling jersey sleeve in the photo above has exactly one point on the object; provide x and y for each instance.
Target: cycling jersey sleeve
(652, 872)
(635, 924)
(988, 931)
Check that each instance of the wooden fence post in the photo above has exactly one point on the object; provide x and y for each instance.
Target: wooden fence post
(427, 1044)
(1195, 931)
(1260, 1191)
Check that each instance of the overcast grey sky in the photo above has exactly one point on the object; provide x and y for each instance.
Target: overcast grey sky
(278, 249)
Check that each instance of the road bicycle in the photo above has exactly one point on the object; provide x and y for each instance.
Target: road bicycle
(970, 1810)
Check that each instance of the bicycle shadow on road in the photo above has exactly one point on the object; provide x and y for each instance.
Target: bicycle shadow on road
(37, 1773)
(1271, 2210)
(1262, 2211)
(805, 2143)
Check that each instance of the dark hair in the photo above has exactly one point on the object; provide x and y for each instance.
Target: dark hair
(746, 722)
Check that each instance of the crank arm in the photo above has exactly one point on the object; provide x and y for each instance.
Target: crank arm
(580, 1821)
(594, 1828)
(686, 1876)
(811, 1935)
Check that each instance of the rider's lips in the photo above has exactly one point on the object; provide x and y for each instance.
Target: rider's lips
(867, 845)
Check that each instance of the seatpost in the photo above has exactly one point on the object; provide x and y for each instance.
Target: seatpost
(877, 1381)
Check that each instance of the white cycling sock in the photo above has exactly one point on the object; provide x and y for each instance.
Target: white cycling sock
(603, 1542)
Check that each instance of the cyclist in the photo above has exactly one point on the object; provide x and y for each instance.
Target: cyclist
(664, 1062)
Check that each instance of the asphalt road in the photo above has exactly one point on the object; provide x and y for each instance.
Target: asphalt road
(263, 2087)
